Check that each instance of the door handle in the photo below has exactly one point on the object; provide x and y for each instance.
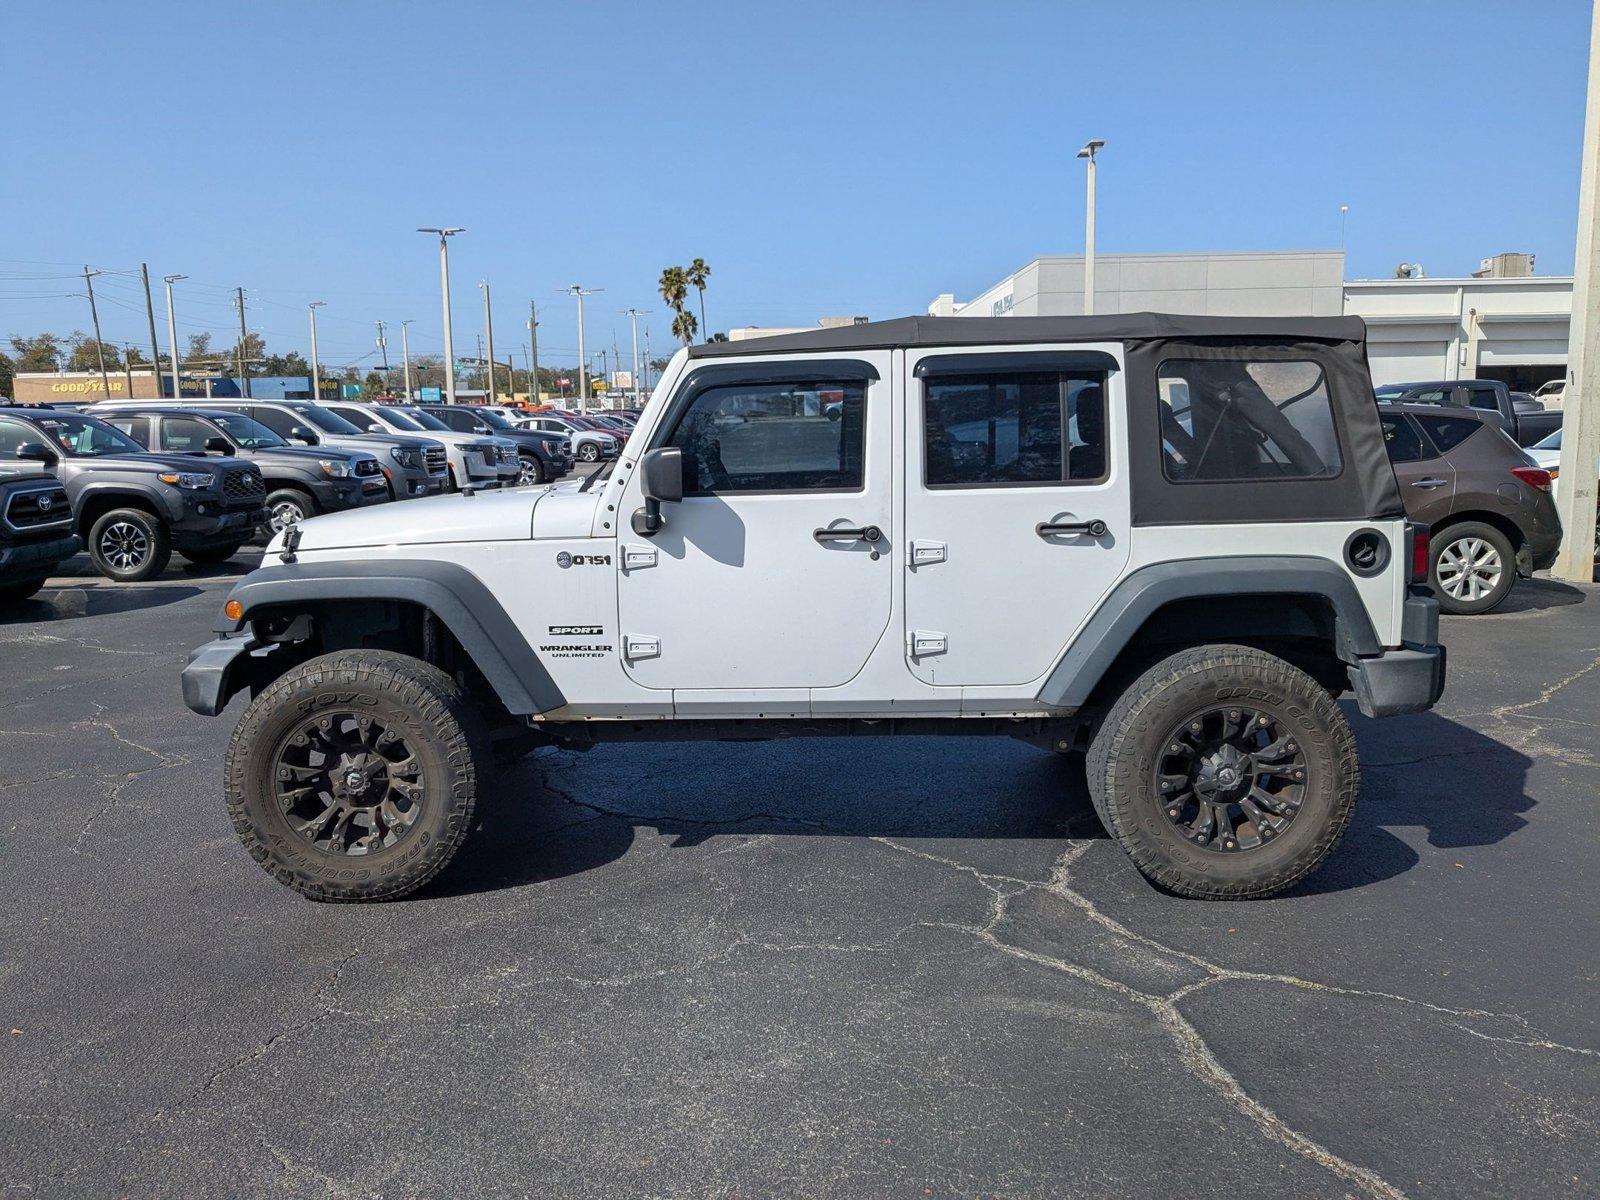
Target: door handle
(1429, 483)
(1095, 528)
(845, 533)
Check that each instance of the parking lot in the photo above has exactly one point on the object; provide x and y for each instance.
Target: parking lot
(853, 967)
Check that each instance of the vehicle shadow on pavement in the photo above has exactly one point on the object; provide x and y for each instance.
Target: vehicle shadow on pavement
(70, 603)
(1533, 595)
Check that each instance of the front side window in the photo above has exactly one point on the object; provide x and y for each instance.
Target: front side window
(13, 436)
(1483, 398)
(1401, 440)
(425, 420)
(86, 437)
(321, 418)
(1236, 420)
(773, 437)
(185, 434)
(278, 421)
(1024, 427)
(252, 435)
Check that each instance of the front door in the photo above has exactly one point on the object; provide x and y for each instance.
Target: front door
(773, 574)
(1017, 511)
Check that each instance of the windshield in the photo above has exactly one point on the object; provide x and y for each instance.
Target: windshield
(401, 420)
(493, 419)
(1553, 442)
(86, 437)
(323, 419)
(426, 420)
(252, 435)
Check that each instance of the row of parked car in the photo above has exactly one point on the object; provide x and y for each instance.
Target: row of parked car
(134, 481)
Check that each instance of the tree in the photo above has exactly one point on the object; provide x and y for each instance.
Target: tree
(199, 353)
(84, 354)
(696, 275)
(8, 368)
(717, 337)
(38, 353)
(684, 326)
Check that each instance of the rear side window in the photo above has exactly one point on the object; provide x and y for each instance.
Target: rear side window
(1029, 427)
(1449, 432)
(773, 437)
(1236, 420)
(1402, 441)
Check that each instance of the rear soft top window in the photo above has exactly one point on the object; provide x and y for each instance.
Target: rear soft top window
(1233, 420)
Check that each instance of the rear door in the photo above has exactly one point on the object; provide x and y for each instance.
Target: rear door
(1427, 480)
(1017, 506)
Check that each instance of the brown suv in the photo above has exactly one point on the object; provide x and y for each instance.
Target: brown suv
(1488, 509)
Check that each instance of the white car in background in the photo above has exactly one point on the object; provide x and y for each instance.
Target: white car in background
(590, 445)
(1551, 394)
(1547, 454)
(476, 460)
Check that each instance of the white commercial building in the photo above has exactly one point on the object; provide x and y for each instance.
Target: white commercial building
(1513, 329)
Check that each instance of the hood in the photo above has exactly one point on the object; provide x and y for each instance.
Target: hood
(566, 512)
(410, 441)
(309, 455)
(503, 516)
(155, 464)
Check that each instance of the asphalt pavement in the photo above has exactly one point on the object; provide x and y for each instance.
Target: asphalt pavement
(848, 968)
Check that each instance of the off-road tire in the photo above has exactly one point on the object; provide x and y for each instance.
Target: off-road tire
(19, 590)
(206, 555)
(1127, 750)
(156, 552)
(449, 738)
(1454, 535)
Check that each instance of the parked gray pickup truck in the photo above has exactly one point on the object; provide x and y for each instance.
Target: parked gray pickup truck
(1525, 419)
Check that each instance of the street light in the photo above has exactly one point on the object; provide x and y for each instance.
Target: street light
(488, 330)
(1088, 153)
(633, 315)
(446, 233)
(172, 331)
(405, 356)
(583, 366)
(316, 369)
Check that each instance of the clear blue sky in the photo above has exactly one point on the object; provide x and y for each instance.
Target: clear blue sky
(824, 158)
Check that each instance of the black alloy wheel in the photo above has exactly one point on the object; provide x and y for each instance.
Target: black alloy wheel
(348, 784)
(1231, 779)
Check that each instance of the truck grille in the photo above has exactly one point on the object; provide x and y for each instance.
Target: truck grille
(368, 466)
(243, 485)
(39, 508)
(436, 460)
(506, 454)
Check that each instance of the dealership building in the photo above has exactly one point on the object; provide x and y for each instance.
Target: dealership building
(1502, 322)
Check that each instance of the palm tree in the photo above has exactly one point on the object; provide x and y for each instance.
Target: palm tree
(674, 287)
(696, 276)
(684, 326)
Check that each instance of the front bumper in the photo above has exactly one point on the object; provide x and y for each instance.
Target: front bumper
(206, 518)
(29, 558)
(1409, 679)
(216, 671)
(408, 483)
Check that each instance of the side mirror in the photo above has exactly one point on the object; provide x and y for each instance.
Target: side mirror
(220, 445)
(661, 480)
(479, 427)
(374, 428)
(301, 434)
(38, 452)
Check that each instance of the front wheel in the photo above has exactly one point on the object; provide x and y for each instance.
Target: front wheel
(588, 452)
(355, 775)
(286, 507)
(129, 545)
(1473, 568)
(529, 470)
(1225, 773)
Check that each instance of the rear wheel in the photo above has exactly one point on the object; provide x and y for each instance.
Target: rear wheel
(355, 776)
(1473, 568)
(129, 545)
(1225, 773)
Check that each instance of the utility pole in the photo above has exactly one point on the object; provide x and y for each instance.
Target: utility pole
(244, 375)
(647, 367)
(633, 315)
(583, 363)
(99, 346)
(533, 348)
(172, 332)
(1088, 152)
(405, 356)
(150, 315)
(383, 347)
(316, 366)
(488, 330)
(1580, 431)
(444, 287)
(127, 368)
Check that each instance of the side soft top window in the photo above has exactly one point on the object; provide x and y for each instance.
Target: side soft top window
(1243, 420)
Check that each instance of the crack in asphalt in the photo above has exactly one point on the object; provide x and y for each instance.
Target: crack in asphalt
(164, 762)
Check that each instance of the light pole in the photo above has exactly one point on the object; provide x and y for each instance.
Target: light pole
(405, 355)
(633, 315)
(488, 329)
(446, 233)
(316, 367)
(1088, 153)
(583, 364)
(1344, 211)
(533, 352)
(172, 331)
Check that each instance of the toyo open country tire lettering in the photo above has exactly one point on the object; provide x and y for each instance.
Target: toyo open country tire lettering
(1225, 773)
(354, 777)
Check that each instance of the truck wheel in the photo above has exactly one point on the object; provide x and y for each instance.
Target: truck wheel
(286, 507)
(212, 554)
(529, 470)
(129, 545)
(1473, 568)
(354, 776)
(1225, 773)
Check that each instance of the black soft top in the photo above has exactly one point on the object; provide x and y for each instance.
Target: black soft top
(1001, 331)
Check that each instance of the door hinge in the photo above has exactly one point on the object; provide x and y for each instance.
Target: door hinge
(923, 553)
(923, 642)
(636, 558)
(640, 645)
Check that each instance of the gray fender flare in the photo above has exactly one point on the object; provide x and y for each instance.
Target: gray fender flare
(1132, 601)
(454, 594)
(161, 499)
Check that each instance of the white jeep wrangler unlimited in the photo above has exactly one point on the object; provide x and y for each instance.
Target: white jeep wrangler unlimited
(1170, 542)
